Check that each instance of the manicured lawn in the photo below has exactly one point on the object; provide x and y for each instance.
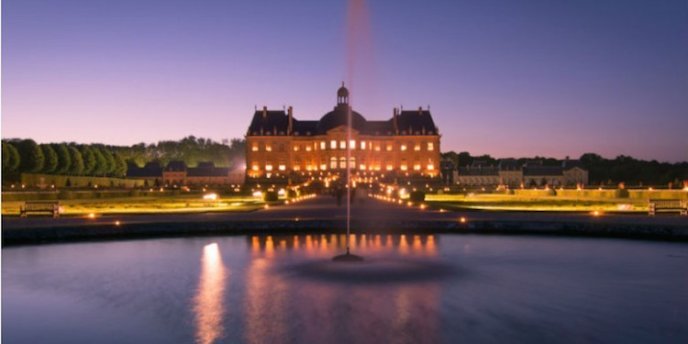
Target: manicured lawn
(545, 203)
(148, 205)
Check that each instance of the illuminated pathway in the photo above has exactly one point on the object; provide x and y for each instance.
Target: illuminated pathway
(322, 212)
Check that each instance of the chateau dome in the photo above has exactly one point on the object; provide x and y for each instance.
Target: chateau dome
(338, 117)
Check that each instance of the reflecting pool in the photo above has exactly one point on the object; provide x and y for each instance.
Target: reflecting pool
(285, 288)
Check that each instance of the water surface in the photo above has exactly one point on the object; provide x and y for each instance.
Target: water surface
(271, 289)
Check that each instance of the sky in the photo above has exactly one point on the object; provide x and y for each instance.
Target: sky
(506, 78)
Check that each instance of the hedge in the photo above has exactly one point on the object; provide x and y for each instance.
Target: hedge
(60, 181)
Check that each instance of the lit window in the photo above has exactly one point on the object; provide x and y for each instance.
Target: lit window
(363, 144)
(362, 167)
(389, 147)
(322, 145)
(377, 167)
(308, 148)
(342, 162)
(431, 167)
(352, 144)
(416, 167)
(416, 147)
(342, 144)
(352, 162)
(333, 163)
(404, 167)
(281, 167)
(333, 144)
(323, 167)
(297, 168)
(254, 148)
(296, 148)
(268, 148)
(403, 148)
(268, 167)
(389, 167)
(254, 167)
(431, 146)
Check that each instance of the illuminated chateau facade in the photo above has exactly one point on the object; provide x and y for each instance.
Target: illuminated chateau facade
(280, 145)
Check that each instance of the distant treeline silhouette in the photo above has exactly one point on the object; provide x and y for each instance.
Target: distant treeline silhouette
(69, 158)
(602, 171)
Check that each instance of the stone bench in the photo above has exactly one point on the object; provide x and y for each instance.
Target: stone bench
(49, 207)
(668, 205)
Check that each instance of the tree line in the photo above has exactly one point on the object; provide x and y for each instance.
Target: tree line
(27, 156)
(601, 171)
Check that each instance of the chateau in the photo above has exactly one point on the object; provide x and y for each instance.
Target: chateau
(279, 145)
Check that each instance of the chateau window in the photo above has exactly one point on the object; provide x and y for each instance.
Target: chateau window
(342, 162)
(404, 167)
(363, 145)
(282, 167)
(352, 144)
(390, 167)
(389, 147)
(416, 166)
(431, 146)
(403, 147)
(362, 167)
(352, 162)
(323, 166)
(254, 148)
(416, 147)
(268, 148)
(308, 148)
(268, 166)
(342, 144)
(333, 144)
(322, 145)
(333, 163)
(255, 167)
(296, 148)
(296, 168)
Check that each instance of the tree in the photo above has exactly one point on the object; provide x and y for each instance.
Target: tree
(77, 162)
(88, 160)
(120, 165)
(109, 161)
(10, 158)
(50, 162)
(101, 163)
(31, 156)
(64, 159)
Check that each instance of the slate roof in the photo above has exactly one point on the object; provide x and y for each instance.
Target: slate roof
(417, 122)
(479, 171)
(542, 171)
(151, 169)
(271, 122)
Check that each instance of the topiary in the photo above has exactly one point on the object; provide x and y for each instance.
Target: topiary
(417, 196)
(270, 196)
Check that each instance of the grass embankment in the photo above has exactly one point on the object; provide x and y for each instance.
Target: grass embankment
(542, 203)
(148, 205)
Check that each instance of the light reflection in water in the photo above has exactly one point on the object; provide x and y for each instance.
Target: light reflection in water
(325, 245)
(209, 308)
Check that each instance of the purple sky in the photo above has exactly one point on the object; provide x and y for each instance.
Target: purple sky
(508, 78)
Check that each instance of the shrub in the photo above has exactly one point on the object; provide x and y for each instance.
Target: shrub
(270, 196)
(417, 196)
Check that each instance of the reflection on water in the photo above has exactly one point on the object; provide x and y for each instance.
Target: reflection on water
(209, 306)
(324, 245)
(285, 288)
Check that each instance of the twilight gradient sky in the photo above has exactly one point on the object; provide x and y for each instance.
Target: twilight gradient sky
(508, 78)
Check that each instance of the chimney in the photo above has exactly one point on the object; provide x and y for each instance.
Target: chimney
(394, 120)
(420, 110)
(265, 112)
(290, 112)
